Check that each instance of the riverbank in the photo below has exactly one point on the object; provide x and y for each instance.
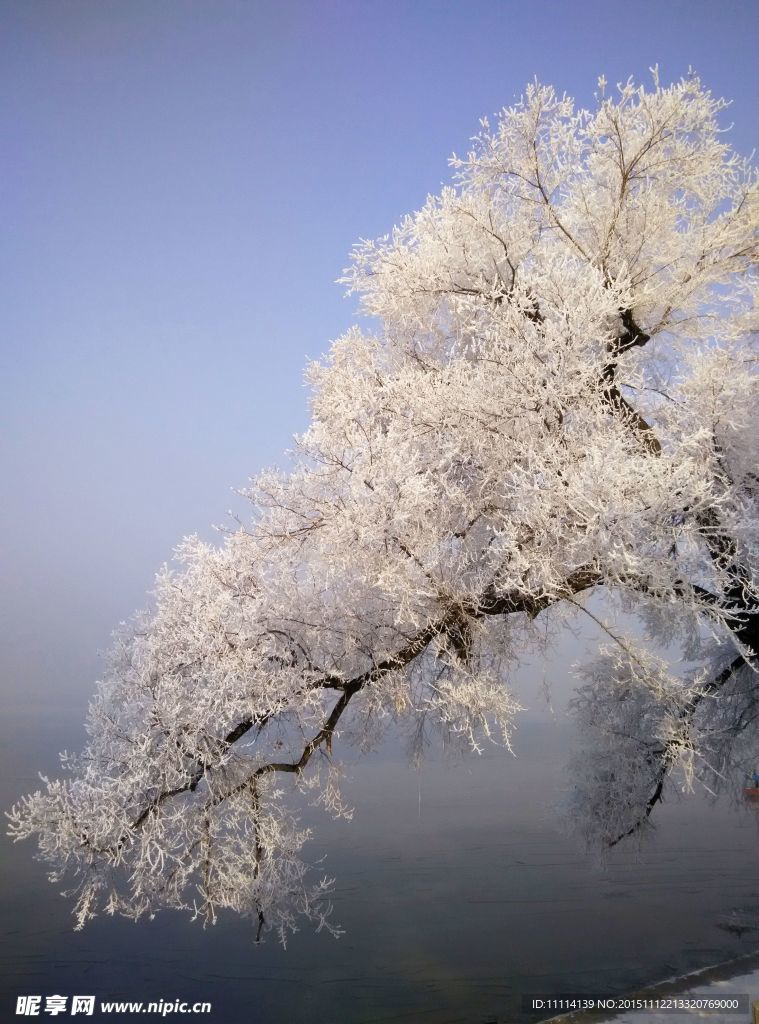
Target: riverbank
(732, 977)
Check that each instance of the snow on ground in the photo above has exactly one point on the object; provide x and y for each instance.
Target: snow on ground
(735, 977)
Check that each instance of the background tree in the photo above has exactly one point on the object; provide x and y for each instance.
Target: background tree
(558, 396)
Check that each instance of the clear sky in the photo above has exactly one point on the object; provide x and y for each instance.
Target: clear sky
(183, 181)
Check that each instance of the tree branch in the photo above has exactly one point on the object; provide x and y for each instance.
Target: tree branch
(490, 603)
(667, 754)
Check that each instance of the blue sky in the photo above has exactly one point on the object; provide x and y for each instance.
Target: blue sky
(183, 181)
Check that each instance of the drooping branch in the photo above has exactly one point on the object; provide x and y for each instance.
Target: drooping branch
(666, 755)
(448, 625)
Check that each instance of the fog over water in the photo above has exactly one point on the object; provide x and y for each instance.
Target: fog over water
(456, 885)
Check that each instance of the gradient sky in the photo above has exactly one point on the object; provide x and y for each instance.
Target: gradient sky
(183, 181)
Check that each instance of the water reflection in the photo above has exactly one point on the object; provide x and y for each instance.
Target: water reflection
(456, 886)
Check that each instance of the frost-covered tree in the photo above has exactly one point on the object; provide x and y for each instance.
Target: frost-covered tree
(557, 396)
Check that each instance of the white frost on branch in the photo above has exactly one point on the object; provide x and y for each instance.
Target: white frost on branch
(561, 395)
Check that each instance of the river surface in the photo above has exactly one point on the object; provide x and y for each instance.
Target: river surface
(456, 885)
